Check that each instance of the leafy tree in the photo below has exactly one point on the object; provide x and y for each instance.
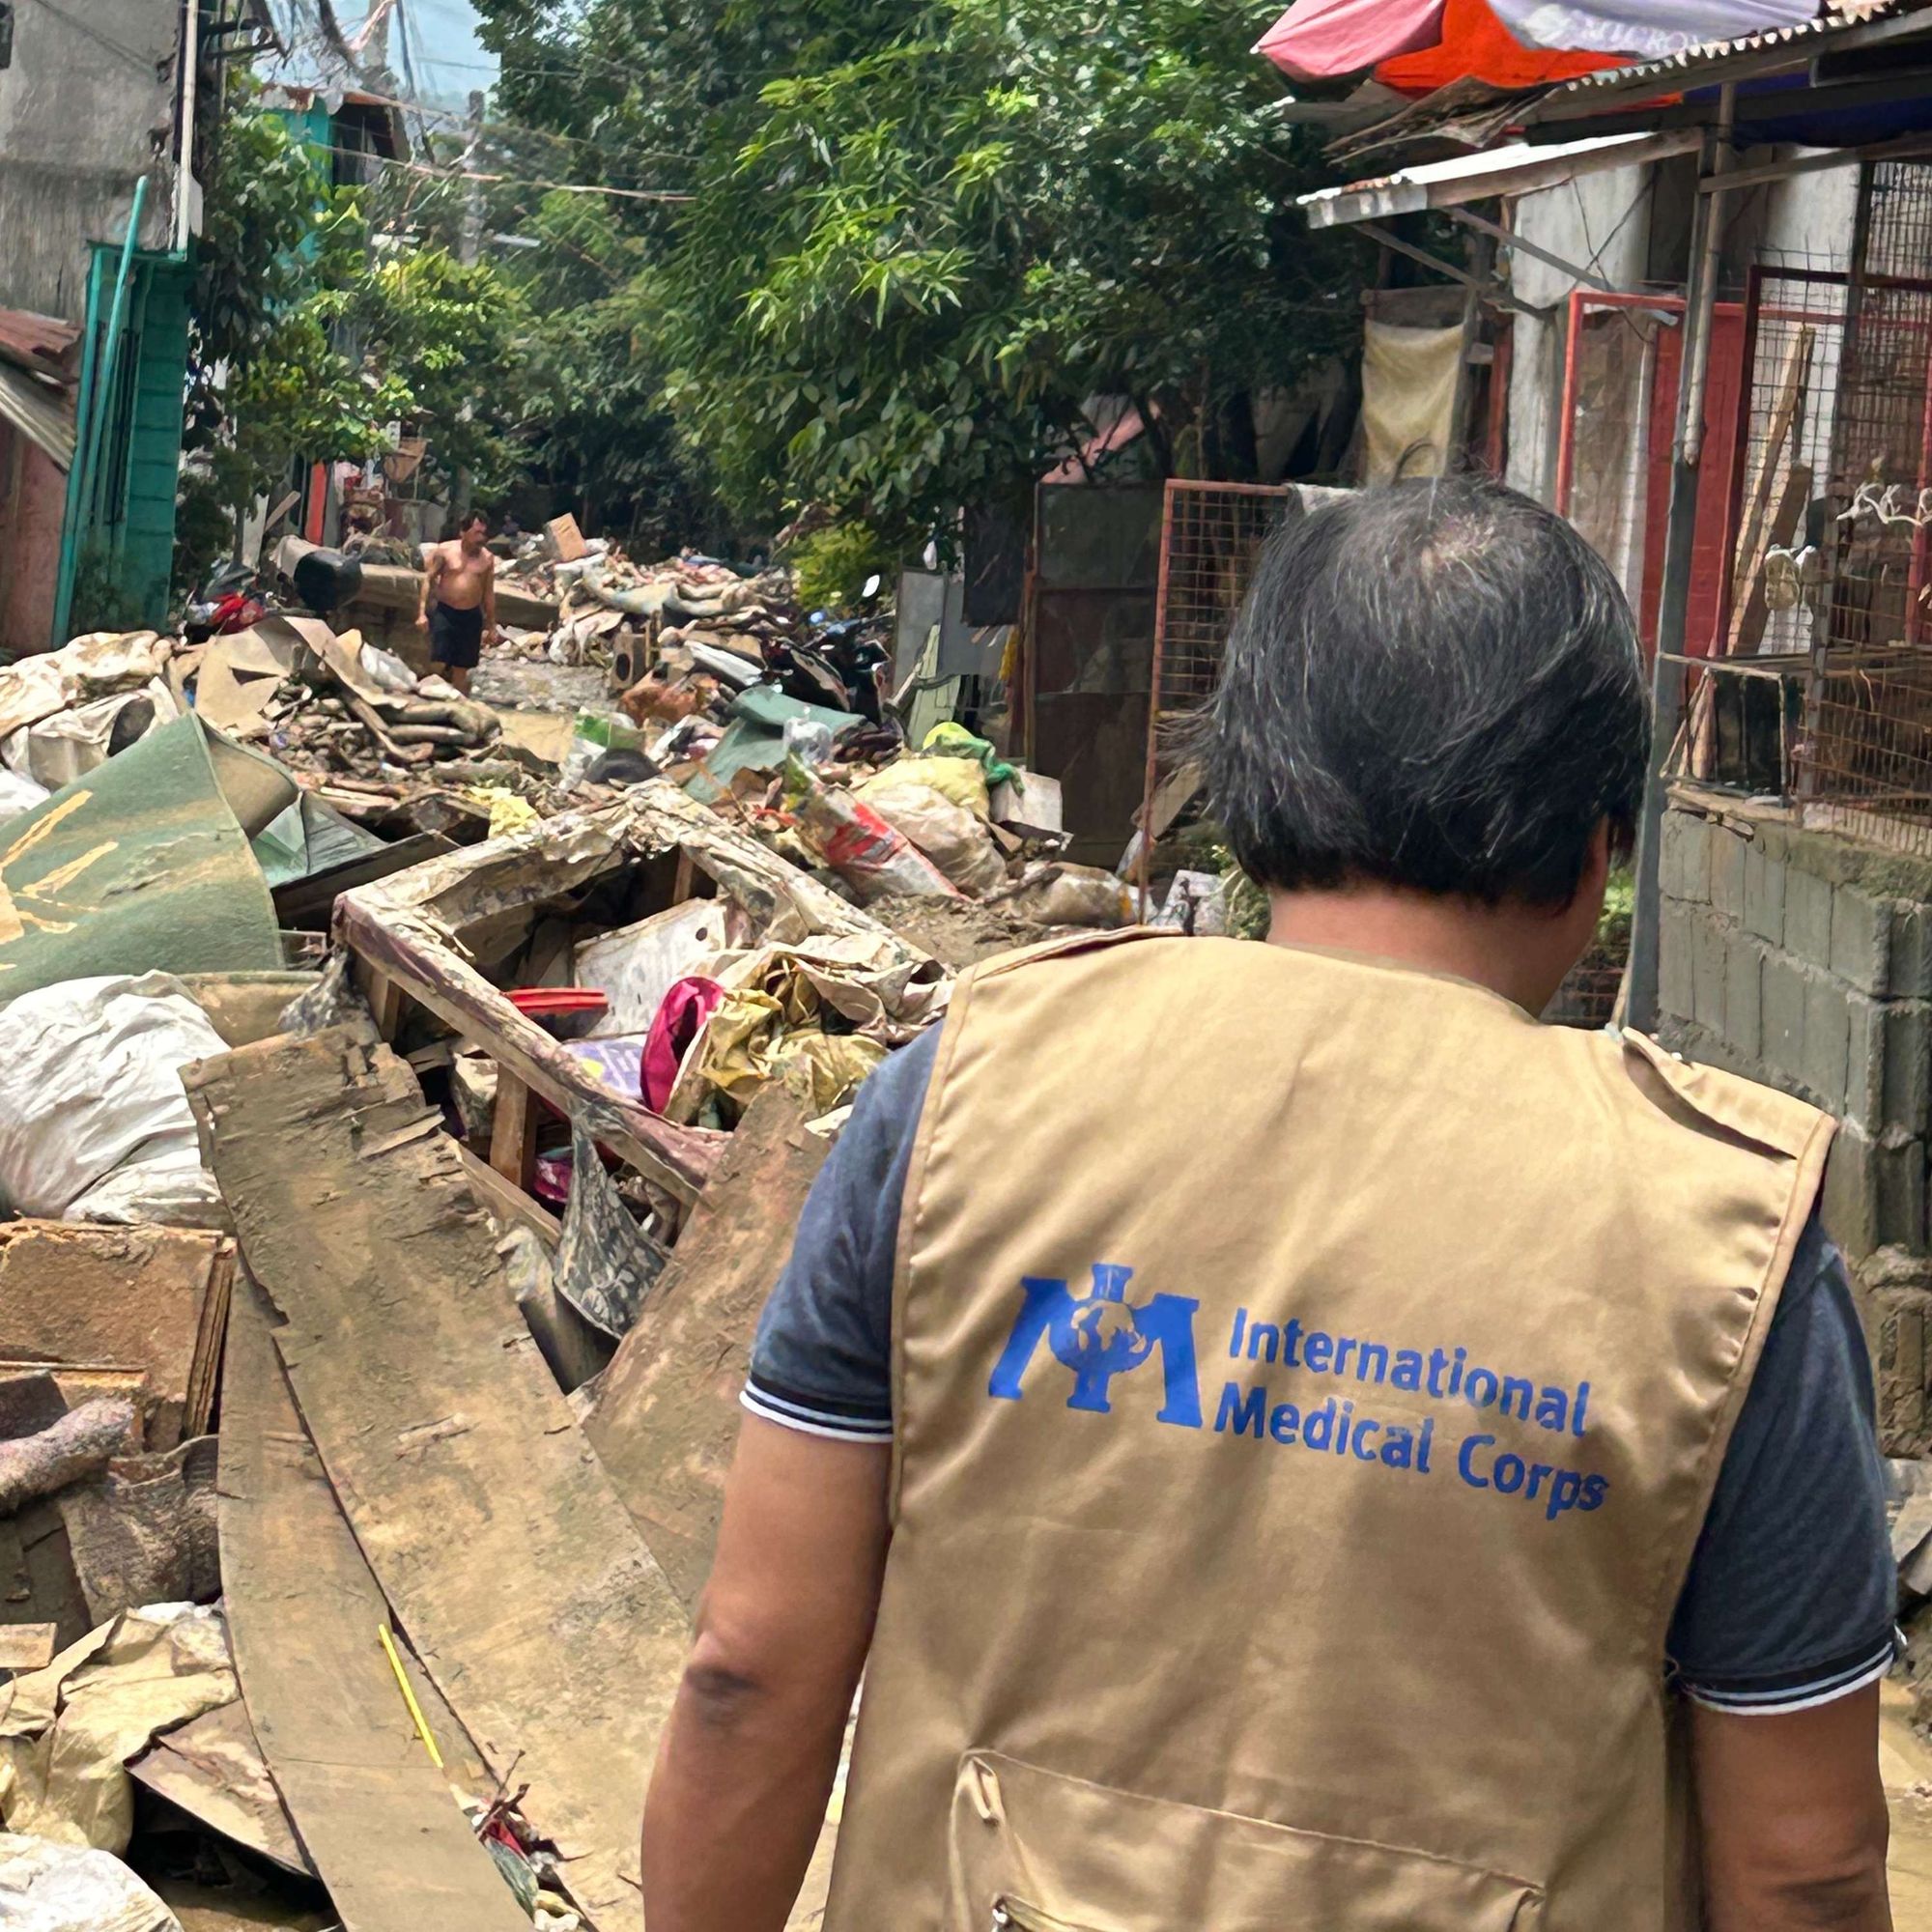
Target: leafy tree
(926, 238)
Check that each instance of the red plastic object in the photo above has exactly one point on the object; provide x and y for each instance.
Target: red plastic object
(562, 1011)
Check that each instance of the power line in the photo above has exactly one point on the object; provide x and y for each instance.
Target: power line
(513, 181)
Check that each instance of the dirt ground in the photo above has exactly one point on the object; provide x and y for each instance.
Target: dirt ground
(957, 933)
(1906, 1761)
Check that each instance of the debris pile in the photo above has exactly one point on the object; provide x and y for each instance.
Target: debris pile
(406, 1102)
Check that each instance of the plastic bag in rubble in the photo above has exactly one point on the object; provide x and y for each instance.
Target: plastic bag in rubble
(594, 733)
(68, 745)
(18, 795)
(952, 839)
(385, 668)
(94, 1124)
(873, 857)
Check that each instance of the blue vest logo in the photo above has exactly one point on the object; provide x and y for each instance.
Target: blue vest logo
(1101, 1335)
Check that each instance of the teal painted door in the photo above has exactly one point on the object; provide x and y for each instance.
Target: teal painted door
(125, 554)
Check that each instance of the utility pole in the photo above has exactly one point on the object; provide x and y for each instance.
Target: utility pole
(469, 251)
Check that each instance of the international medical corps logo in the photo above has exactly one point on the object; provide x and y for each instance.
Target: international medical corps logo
(1099, 1336)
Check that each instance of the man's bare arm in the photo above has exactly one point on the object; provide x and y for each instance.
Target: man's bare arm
(489, 597)
(432, 570)
(1792, 1819)
(747, 1763)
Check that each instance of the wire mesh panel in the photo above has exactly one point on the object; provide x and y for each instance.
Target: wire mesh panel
(1865, 759)
(1211, 535)
(1210, 540)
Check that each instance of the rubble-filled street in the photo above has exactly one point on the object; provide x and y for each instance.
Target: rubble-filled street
(965, 966)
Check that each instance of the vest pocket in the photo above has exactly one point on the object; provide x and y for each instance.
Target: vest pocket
(1033, 1851)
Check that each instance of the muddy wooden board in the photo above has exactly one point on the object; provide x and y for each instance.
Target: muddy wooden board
(489, 1523)
(147, 1298)
(374, 1817)
(666, 1412)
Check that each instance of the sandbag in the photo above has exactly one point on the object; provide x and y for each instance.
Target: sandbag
(94, 1124)
(961, 780)
(18, 795)
(72, 742)
(50, 1888)
(950, 837)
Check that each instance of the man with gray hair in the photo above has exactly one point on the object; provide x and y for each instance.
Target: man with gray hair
(1291, 1440)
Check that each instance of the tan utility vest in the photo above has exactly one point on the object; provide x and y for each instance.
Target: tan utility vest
(1311, 1376)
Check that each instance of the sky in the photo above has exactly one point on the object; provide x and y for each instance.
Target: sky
(448, 57)
(450, 60)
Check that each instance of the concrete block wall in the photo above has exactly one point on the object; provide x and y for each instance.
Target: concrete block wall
(1805, 961)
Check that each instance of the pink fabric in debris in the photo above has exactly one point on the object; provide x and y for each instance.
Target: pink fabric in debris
(680, 1017)
(1324, 39)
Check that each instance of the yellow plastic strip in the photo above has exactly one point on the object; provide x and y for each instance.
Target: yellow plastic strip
(409, 1695)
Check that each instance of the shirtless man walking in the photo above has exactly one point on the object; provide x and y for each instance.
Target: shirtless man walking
(459, 601)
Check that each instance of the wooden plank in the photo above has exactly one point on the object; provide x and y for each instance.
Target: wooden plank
(513, 1132)
(666, 1412)
(374, 1817)
(1753, 539)
(27, 1646)
(496, 1535)
(506, 1202)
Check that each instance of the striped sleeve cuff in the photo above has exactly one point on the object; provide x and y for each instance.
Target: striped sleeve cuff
(1801, 1690)
(815, 1418)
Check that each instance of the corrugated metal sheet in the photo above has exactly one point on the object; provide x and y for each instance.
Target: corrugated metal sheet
(38, 413)
(1518, 169)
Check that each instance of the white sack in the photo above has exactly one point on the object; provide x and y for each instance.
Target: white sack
(94, 1124)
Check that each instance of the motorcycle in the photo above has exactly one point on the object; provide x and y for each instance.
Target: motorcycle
(233, 598)
(845, 662)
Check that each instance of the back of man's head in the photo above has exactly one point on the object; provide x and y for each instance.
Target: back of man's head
(1435, 686)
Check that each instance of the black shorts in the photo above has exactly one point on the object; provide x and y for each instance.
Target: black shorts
(456, 637)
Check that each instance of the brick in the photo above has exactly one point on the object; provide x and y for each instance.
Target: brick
(1684, 857)
(1807, 918)
(1744, 974)
(1911, 976)
(1783, 1009)
(1824, 1058)
(1674, 982)
(1890, 1084)
(1862, 939)
(1728, 872)
(1707, 971)
(1899, 1360)
(1764, 893)
(1874, 1194)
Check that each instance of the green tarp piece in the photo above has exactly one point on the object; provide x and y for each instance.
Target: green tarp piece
(307, 839)
(754, 741)
(143, 865)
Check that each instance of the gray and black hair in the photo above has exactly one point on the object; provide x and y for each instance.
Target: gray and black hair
(1433, 685)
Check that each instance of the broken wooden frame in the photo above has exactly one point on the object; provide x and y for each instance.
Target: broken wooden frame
(417, 936)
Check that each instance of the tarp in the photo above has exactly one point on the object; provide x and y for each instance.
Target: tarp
(143, 864)
(1647, 29)
(1418, 45)
(1324, 39)
(1474, 44)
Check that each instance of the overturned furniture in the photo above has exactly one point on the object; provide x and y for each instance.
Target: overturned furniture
(456, 936)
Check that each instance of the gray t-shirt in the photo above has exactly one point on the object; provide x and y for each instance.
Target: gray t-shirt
(1790, 1597)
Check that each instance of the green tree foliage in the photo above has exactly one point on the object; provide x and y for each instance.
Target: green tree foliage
(926, 238)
